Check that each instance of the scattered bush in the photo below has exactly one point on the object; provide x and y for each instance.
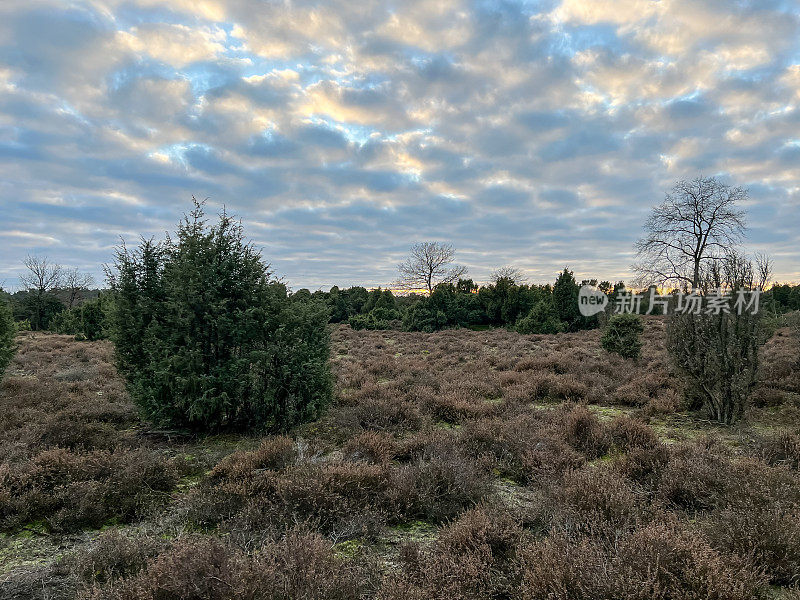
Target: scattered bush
(113, 555)
(542, 318)
(583, 431)
(208, 340)
(371, 446)
(628, 433)
(769, 535)
(622, 335)
(717, 358)
(473, 558)
(301, 565)
(69, 492)
(596, 502)
(781, 448)
(657, 561)
(7, 332)
(440, 487)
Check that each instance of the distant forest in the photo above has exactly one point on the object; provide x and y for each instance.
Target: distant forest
(504, 302)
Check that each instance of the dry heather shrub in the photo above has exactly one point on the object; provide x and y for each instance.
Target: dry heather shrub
(765, 395)
(524, 447)
(481, 526)
(558, 568)
(543, 384)
(388, 414)
(644, 465)
(596, 502)
(659, 561)
(582, 430)
(549, 457)
(696, 477)
(473, 558)
(663, 560)
(343, 500)
(781, 448)
(428, 442)
(439, 487)
(72, 491)
(665, 402)
(67, 431)
(769, 535)
(112, 555)
(274, 453)
(627, 434)
(456, 406)
(370, 446)
(632, 393)
(503, 441)
(302, 565)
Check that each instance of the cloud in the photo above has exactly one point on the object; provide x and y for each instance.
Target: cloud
(526, 133)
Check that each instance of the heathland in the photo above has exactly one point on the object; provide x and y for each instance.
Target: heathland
(454, 464)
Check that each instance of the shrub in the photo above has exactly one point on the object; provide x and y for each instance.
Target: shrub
(621, 335)
(716, 356)
(88, 320)
(695, 478)
(542, 318)
(7, 332)
(583, 431)
(440, 487)
(658, 561)
(111, 556)
(342, 500)
(208, 340)
(473, 558)
(274, 453)
(769, 535)
(780, 448)
(628, 433)
(300, 565)
(595, 501)
(73, 491)
(371, 446)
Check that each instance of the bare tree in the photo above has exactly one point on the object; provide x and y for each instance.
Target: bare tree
(428, 265)
(736, 271)
(697, 224)
(73, 282)
(509, 273)
(42, 278)
(764, 268)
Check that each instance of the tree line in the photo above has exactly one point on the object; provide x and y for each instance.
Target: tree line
(208, 338)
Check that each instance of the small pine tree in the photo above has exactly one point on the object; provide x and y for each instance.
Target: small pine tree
(209, 340)
(622, 335)
(565, 299)
(541, 319)
(7, 332)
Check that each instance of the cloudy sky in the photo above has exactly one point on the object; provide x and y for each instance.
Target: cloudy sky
(536, 134)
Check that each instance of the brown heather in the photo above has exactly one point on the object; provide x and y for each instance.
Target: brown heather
(457, 465)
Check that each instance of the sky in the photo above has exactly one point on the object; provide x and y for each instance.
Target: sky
(532, 134)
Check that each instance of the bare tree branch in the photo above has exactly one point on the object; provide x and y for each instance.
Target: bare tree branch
(696, 225)
(428, 265)
(42, 276)
(73, 282)
(510, 273)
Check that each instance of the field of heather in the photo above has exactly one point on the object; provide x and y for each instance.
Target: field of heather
(459, 464)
